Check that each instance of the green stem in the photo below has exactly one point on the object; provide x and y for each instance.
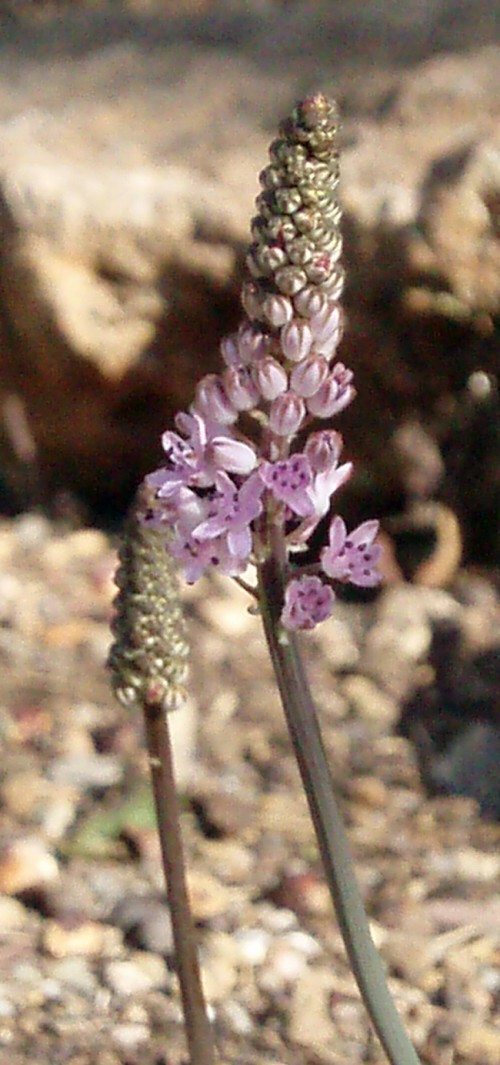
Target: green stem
(198, 1032)
(302, 721)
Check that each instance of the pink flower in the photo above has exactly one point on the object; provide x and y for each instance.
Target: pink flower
(324, 484)
(195, 461)
(196, 557)
(290, 482)
(230, 513)
(308, 601)
(352, 558)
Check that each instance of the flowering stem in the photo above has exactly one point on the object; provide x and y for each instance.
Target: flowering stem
(198, 1032)
(306, 738)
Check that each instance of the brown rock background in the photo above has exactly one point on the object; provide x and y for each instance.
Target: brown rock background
(132, 136)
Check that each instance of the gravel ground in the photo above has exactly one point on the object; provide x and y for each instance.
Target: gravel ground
(85, 943)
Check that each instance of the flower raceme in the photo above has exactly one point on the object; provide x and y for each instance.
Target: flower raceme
(224, 494)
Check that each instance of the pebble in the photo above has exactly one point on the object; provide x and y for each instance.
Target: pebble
(145, 921)
(209, 898)
(130, 1035)
(75, 972)
(254, 944)
(371, 704)
(13, 915)
(89, 938)
(284, 966)
(26, 864)
(479, 1042)
(140, 973)
(89, 771)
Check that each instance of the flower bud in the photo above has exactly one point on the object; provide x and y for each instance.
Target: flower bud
(278, 310)
(290, 280)
(233, 456)
(253, 343)
(212, 402)
(286, 414)
(270, 377)
(310, 301)
(239, 388)
(296, 340)
(230, 352)
(334, 395)
(326, 320)
(323, 449)
(250, 298)
(307, 376)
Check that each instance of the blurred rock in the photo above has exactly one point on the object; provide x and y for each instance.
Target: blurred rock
(140, 973)
(145, 922)
(25, 865)
(126, 189)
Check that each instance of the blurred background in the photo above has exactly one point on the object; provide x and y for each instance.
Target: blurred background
(132, 133)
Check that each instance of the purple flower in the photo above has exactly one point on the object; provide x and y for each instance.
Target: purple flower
(324, 484)
(290, 482)
(352, 558)
(230, 513)
(307, 602)
(196, 557)
(195, 461)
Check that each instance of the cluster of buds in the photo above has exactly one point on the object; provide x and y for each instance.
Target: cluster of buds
(219, 492)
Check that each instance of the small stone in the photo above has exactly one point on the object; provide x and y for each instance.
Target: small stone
(88, 771)
(209, 898)
(254, 944)
(140, 973)
(13, 915)
(88, 938)
(145, 921)
(479, 1042)
(369, 702)
(75, 972)
(130, 1035)
(26, 864)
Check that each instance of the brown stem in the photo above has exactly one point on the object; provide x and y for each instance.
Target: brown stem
(198, 1031)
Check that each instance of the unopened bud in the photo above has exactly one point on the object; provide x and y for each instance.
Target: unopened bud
(296, 340)
(239, 388)
(270, 377)
(287, 414)
(323, 449)
(212, 402)
(307, 376)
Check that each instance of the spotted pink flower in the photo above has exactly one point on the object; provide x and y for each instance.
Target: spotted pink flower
(290, 482)
(308, 601)
(352, 557)
(230, 513)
